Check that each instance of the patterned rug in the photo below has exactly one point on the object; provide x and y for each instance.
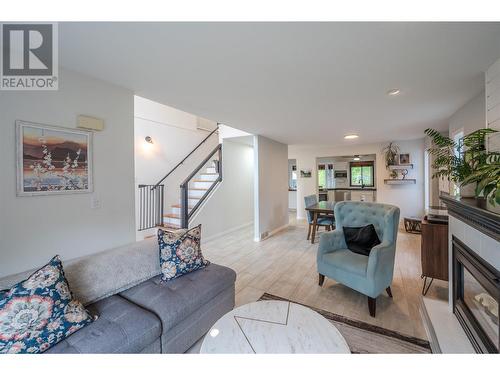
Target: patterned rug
(366, 338)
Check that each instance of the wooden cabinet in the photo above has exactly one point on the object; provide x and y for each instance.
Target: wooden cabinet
(434, 254)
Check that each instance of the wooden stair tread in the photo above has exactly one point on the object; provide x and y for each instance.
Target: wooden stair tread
(179, 206)
(198, 189)
(174, 216)
(171, 226)
(204, 180)
(210, 173)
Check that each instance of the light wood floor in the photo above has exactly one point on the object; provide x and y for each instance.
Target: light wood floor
(285, 265)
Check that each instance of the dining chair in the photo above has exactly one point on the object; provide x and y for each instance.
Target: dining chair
(322, 221)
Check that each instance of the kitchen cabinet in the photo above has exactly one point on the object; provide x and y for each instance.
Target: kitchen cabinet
(363, 195)
(292, 199)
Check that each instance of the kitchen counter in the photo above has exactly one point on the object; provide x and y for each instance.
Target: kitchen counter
(355, 188)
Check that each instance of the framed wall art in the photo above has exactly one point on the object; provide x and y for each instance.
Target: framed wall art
(52, 160)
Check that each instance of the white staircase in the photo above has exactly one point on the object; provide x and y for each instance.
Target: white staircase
(197, 189)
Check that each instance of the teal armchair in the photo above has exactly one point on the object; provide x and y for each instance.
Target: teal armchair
(369, 275)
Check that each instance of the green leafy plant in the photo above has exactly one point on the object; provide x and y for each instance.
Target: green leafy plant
(391, 152)
(487, 177)
(466, 161)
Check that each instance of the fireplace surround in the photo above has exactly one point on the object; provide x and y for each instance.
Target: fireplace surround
(476, 297)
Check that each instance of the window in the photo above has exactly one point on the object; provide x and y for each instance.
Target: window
(458, 139)
(293, 178)
(321, 176)
(362, 173)
(325, 176)
(292, 174)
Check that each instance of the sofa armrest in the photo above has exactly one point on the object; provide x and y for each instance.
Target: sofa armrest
(331, 241)
(381, 257)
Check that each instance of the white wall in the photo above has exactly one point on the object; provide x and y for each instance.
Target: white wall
(33, 229)
(470, 117)
(409, 198)
(174, 135)
(229, 132)
(231, 205)
(492, 78)
(271, 186)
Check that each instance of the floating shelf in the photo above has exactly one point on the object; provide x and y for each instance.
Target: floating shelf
(401, 166)
(400, 181)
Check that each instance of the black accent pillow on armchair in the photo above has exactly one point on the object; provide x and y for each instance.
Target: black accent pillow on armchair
(361, 240)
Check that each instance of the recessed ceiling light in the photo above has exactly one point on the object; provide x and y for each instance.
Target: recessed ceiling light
(394, 92)
(351, 136)
(356, 158)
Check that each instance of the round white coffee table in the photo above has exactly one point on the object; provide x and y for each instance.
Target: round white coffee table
(273, 327)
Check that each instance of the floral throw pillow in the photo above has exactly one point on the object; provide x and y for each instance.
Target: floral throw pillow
(180, 252)
(40, 311)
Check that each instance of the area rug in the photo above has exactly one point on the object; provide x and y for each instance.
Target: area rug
(364, 338)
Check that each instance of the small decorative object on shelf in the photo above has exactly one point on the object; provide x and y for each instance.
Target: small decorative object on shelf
(305, 173)
(404, 158)
(397, 163)
(390, 152)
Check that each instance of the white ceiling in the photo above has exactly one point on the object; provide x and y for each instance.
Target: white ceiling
(298, 83)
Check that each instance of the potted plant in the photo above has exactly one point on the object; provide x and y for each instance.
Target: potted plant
(487, 178)
(467, 163)
(391, 152)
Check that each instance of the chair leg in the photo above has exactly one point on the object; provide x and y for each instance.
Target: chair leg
(321, 279)
(309, 232)
(372, 306)
(389, 291)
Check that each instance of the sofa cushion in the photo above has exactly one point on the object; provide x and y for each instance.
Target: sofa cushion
(40, 311)
(176, 300)
(180, 252)
(348, 261)
(100, 275)
(122, 327)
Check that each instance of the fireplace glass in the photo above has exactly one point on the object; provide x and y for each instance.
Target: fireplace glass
(476, 296)
(482, 305)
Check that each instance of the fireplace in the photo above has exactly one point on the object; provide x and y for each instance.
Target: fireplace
(476, 297)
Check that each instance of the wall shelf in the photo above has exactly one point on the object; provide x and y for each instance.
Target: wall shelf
(400, 181)
(401, 166)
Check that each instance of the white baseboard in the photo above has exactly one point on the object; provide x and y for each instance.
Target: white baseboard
(223, 233)
(271, 233)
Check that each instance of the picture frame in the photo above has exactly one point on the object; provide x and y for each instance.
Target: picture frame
(53, 160)
(305, 173)
(404, 159)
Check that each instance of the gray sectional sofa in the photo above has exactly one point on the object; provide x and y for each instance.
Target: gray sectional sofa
(137, 313)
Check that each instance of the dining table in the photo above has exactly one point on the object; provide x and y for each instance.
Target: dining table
(323, 208)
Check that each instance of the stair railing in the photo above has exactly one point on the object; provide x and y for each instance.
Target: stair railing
(185, 158)
(186, 214)
(151, 197)
(150, 206)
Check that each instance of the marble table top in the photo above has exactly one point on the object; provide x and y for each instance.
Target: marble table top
(273, 327)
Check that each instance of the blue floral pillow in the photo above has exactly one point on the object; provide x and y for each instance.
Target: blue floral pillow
(40, 311)
(180, 252)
